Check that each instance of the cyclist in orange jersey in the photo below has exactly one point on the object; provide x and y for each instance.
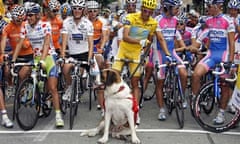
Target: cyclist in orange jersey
(11, 34)
(56, 22)
(100, 37)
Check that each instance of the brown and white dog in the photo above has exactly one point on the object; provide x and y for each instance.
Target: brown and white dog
(120, 109)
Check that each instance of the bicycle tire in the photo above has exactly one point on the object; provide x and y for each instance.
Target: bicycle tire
(168, 92)
(27, 119)
(151, 90)
(61, 87)
(141, 83)
(73, 103)
(201, 117)
(178, 99)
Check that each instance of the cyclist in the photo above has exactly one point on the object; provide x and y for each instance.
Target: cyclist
(55, 21)
(167, 23)
(100, 36)
(138, 31)
(39, 35)
(221, 31)
(11, 34)
(65, 10)
(234, 6)
(77, 33)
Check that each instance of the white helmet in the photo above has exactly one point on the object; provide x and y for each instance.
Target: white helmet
(93, 5)
(54, 5)
(79, 3)
(131, 1)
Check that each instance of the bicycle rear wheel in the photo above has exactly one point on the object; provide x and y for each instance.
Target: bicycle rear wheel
(73, 103)
(178, 99)
(28, 104)
(206, 108)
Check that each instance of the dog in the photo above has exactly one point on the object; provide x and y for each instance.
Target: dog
(121, 109)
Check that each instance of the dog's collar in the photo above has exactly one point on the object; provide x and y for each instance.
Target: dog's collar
(121, 88)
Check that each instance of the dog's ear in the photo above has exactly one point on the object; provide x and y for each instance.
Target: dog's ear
(110, 76)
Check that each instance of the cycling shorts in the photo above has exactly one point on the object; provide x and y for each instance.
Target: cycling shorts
(124, 53)
(51, 67)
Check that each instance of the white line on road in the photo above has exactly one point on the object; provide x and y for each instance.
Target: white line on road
(138, 130)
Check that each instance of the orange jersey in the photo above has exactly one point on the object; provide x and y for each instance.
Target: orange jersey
(12, 32)
(97, 25)
(56, 25)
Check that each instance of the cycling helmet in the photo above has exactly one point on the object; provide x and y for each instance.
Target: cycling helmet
(78, 3)
(92, 5)
(172, 2)
(235, 4)
(202, 19)
(131, 1)
(34, 8)
(182, 17)
(65, 9)
(18, 12)
(211, 2)
(54, 5)
(151, 4)
(120, 12)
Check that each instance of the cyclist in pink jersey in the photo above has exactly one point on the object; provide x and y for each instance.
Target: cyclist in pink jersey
(167, 23)
(221, 31)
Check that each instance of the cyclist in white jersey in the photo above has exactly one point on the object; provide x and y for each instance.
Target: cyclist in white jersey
(77, 34)
(39, 35)
(233, 9)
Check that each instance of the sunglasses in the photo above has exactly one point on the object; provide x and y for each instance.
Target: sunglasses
(147, 11)
(30, 15)
(180, 24)
(131, 5)
(55, 11)
(77, 8)
(92, 11)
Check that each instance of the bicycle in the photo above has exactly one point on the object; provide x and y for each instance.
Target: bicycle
(173, 92)
(77, 88)
(33, 101)
(206, 103)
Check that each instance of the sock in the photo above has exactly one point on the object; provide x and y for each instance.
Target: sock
(162, 110)
(58, 113)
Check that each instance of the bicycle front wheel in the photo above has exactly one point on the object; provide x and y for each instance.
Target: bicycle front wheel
(178, 99)
(206, 109)
(28, 104)
(73, 103)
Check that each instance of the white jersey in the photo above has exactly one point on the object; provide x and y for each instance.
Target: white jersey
(36, 36)
(77, 34)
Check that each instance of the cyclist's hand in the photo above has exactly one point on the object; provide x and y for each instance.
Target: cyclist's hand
(144, 42)
(91, 62)
(169, 58)
(42, 64)
(60, 61)
(1, 58)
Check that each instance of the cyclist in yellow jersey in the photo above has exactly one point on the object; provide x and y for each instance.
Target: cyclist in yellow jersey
(137, 34)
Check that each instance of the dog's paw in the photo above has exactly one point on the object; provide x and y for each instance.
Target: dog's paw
(136, 140)
(90, 133)
(102, 140)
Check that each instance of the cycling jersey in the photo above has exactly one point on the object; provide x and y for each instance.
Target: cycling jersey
(56, 25)
(168, 27)
(237, 35)
(36, 36)
(97, 35)
(77, 34)
(217, 30)
(12, 32)
(138, 30)
(3, 22)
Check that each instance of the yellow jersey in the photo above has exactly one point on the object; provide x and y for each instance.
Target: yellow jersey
(138, 29)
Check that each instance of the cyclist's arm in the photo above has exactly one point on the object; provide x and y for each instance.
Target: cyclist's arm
(162, 42)
(90, 47)
(104, 38)
(64, 44)
(46, 46)
(18, 48)
(127, 37)
(3, 43)
(231, 37)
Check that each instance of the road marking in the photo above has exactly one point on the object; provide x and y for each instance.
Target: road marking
(138, 130)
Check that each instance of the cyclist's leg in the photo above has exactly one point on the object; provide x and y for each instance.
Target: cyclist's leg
(52, 81)
(5, 120)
